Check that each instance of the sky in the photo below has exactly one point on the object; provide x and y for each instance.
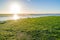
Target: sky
(32, 6)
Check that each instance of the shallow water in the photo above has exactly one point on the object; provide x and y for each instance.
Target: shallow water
(4, 18)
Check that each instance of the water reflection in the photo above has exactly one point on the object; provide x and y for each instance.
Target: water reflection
(15, 17)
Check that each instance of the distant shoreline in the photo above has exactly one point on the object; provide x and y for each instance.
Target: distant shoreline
(25, 14)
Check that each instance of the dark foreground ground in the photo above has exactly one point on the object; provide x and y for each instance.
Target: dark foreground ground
(42, 28)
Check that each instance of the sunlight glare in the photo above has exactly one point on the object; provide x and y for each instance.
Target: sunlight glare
(15, 17)
(15, 8)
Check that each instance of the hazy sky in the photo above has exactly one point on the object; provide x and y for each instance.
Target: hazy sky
(32, 6)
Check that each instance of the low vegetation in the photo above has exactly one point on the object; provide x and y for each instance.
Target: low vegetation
(41, 28)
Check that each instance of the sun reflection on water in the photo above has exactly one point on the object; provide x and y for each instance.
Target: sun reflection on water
(15, 17)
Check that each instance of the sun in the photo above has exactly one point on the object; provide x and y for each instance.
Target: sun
(15, 9)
